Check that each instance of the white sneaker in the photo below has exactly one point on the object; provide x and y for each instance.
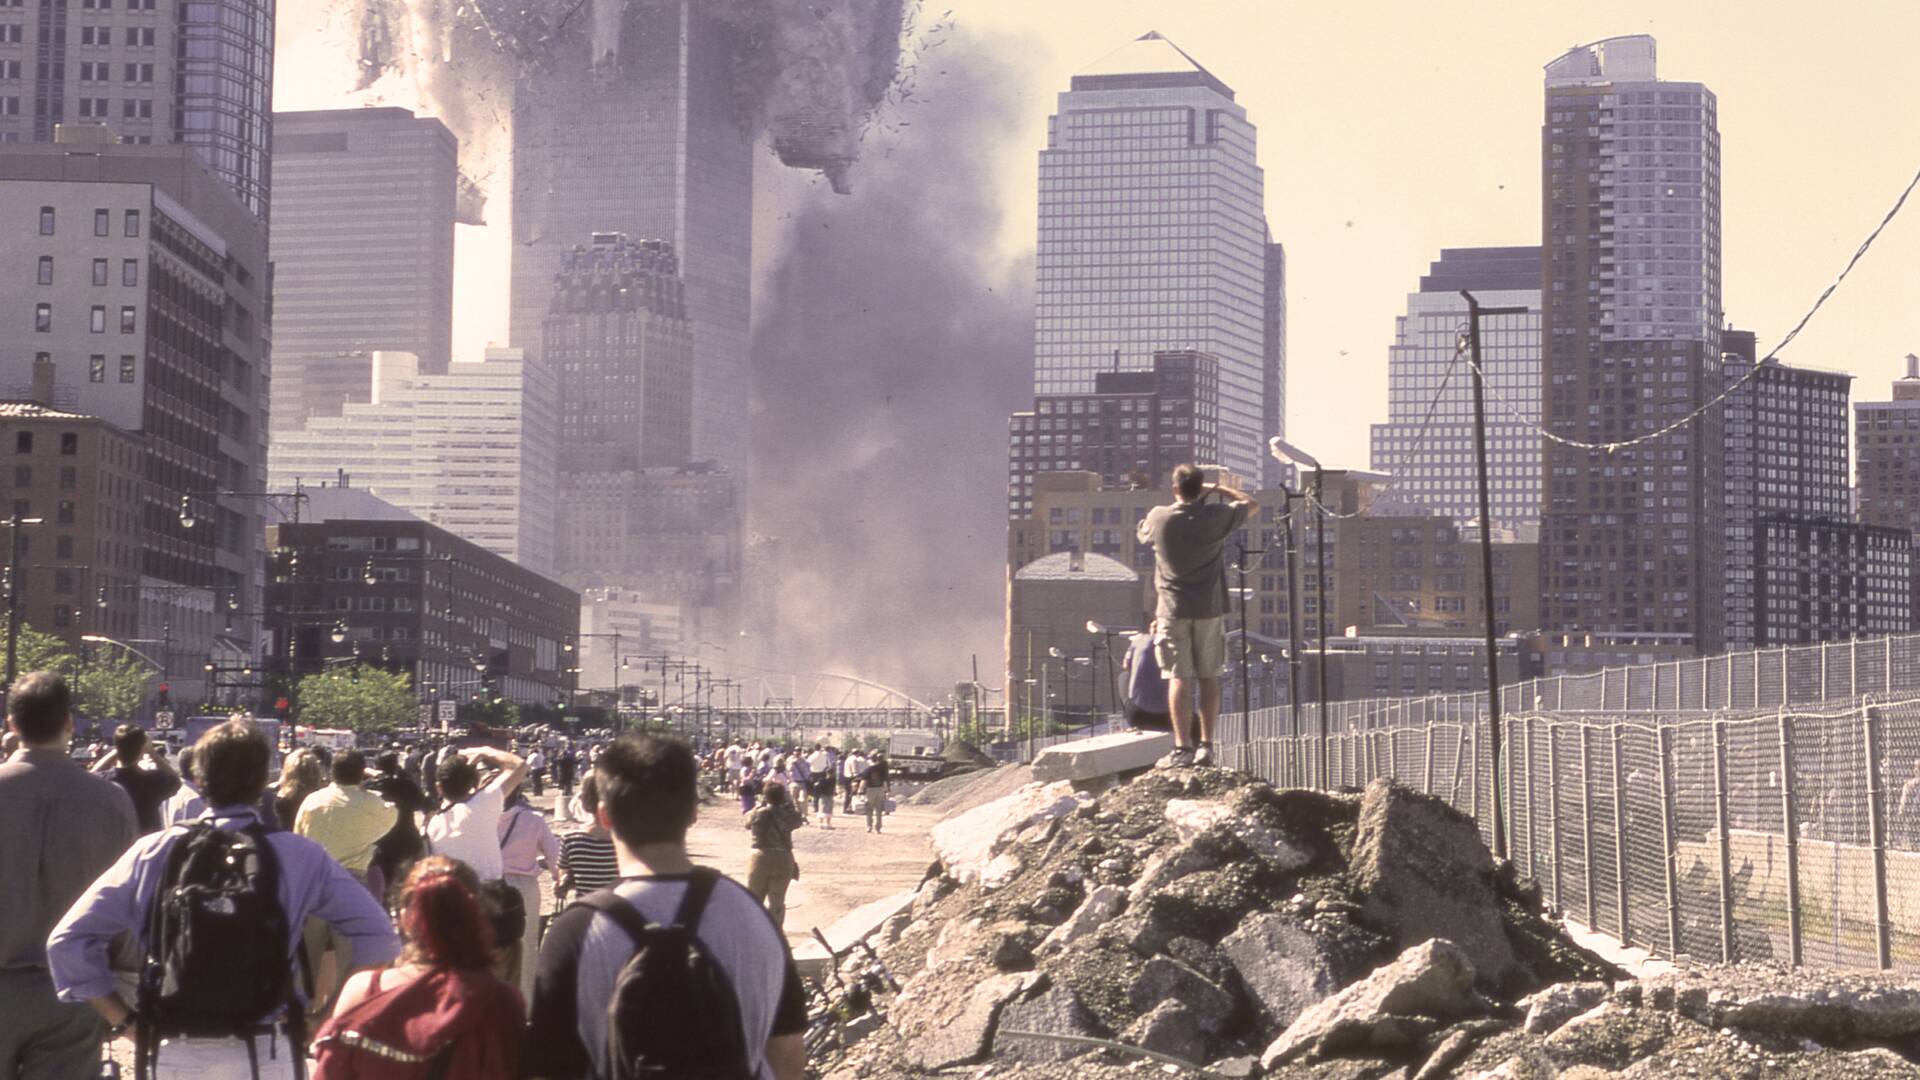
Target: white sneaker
(1181, 758)
(1203, 757)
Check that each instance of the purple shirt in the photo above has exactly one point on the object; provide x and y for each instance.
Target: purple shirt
(311, 884)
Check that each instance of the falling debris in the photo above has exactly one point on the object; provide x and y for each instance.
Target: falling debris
(810, 75)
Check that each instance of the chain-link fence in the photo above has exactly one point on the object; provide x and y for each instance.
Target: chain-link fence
(1759, 805)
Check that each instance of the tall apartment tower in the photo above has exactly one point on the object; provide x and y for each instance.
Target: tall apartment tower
(362, 252)
(1430, 453)
(1631, 537)
(154, 71)
(1888, 436)
(140, 298)
(647, 142)
(1153, 237)
(1274, 380)
(1798, 567)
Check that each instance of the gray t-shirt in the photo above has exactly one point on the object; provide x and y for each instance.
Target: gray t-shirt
(584, 950)
(1188, 571)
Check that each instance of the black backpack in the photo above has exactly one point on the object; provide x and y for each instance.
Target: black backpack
(216, 958)
(673, 1013)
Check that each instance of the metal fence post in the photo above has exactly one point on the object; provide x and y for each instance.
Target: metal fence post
(1620, 836)
(1426, 766)
(1586, 825)
(1887, 675)
(1667, 841)
(1726, 857)
(1786, 672)
(1470, 743)
(1553, 813)
(1791, 828)
(1877, 831)
(1533, 834)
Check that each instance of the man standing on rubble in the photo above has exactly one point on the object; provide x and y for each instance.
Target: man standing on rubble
(1190, 577)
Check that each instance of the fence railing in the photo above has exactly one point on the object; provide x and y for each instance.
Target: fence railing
(1791, 834)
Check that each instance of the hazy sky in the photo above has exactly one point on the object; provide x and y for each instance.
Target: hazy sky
(1391, 129)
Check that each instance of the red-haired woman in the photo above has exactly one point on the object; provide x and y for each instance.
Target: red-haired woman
(438, 1010)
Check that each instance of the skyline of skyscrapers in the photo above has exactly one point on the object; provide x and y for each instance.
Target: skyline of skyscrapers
(1632, 537)
(648, 143)
(1153, 236)
(362, 251)
(1426, 445)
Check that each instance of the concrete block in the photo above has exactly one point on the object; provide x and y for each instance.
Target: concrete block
(1102, 755)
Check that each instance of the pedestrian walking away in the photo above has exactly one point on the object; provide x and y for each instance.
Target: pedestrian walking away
(140, 767)
(439, 1007)
(527, 846)
(1188, 539)
(874, 783)
(677, 970)
(216, 909)
(347, 821)
(468, 828)
(587, 861)
(60, 829)
(537, 771)
(772, 867)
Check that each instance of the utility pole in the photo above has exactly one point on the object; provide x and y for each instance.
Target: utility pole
(1293, 634)
(1320, 615)
(1474, 314)
(1246, 677)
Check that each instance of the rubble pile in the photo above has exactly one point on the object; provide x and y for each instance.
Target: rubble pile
(1204, 918)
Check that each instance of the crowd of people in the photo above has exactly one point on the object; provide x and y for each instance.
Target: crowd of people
(379, 917)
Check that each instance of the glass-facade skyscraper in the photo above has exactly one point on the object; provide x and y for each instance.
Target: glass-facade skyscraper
(198, 72)
(647, 143)
(1430, 455)
(1632, 538)
(1153, 237)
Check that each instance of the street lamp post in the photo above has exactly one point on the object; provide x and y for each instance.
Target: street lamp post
(14, 523)
(1289, 454)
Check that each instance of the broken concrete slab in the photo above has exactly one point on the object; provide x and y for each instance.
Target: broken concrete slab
(1428, 984)
(1100, 905)
(1103, 755)
(1057, 1010)
(967, 843)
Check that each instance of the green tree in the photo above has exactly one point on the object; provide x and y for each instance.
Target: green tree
(111, 687)
(365, 699)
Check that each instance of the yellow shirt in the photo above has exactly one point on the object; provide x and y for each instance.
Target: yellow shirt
(347, 821)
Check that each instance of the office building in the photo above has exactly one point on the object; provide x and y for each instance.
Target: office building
(1134, 429)
(1427, 443)
(647, 142)
(1632, 536)
(665, 536)
(1153, 237)
(1049, 602)
(152, 72)
(1817, 579)
(362, 253)
(620, 633)
(471, 451)
(1274, 380)
(409, 596)
(618, 340)
(1887, 434)
(139, 297)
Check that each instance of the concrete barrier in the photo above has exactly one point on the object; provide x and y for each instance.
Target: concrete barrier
(855, 925)
(1102, 755)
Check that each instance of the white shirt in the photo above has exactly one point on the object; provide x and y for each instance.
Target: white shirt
(470, 831)
(535, 761)
(853, 767)
(818, 762)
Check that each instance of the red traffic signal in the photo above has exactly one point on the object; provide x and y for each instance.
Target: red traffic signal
(281, 704)
(164, 687)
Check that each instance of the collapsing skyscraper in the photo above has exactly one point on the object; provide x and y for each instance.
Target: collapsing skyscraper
(647, 142)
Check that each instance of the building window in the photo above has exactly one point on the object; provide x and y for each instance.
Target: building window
(97, 321)
(64, 515)
(126, 368)
(69, 478)
(45, 274)
(10, 34)
(99, 271)
(62, 615)
(46, 221)
(63, 581)
(69, 443)
(129, 271)
(23, 442)
(126, 320)
(23, 476)
(136, 109)
(63, 547)
(133, 223)
(97, 368)
(102, 222)
(42, 318)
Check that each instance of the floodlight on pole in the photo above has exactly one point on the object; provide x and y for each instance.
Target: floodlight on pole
(1288, 454)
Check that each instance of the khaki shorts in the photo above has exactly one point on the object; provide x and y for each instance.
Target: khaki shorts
(1191, 648)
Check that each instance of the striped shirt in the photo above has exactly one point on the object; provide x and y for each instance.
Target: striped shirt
(587, 862)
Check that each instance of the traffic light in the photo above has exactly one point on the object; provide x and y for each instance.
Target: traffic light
(165, 695)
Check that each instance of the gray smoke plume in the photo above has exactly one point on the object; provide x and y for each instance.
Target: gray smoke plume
(810, 73)
(886, 359)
